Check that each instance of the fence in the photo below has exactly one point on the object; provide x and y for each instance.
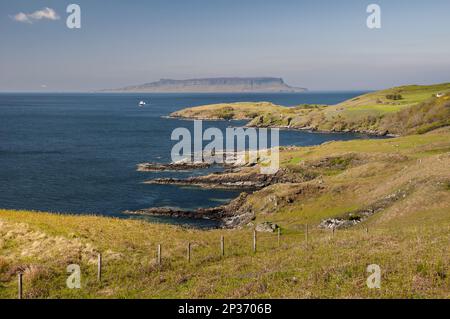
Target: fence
(258, 242)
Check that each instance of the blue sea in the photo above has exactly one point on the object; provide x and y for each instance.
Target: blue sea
(77, 153)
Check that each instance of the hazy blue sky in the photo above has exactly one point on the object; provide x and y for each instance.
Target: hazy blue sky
(322, 45)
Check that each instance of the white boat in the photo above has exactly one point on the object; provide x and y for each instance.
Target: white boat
(142, 103)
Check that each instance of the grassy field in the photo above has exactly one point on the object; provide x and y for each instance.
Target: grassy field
(229, 111)
(408, 236)
(399, 111)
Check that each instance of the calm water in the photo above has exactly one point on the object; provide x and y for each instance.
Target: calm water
(77, 153)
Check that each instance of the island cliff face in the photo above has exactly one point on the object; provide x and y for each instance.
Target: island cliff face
(213, 85)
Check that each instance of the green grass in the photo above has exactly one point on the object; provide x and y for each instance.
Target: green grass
(228, 111)
(419, 111)
(413, 263)
(375, 109)
(411, 95)
(295, 160)
(408, 239)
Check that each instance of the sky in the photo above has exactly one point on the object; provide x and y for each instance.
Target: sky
(317, 44)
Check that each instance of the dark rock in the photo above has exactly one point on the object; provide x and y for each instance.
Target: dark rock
(231, 215)
(249, 179)
(181, 166)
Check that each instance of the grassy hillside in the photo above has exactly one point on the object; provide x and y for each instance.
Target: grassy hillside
(399, 111)
(405, 181)
(231, 111)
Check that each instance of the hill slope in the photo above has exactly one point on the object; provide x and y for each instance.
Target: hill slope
(399, 111)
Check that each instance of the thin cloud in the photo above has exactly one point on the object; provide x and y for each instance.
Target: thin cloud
(44, 14)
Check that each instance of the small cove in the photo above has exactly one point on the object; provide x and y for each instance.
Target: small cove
(77, 153)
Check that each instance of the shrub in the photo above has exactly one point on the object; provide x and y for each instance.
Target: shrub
(4, 264)
(226, 113)
(252, 115)
(447, 186)
(394, 97)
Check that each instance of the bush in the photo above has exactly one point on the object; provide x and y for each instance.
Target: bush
(447, 186)
(228, 116)
(226, 113)
(252, 115)
(394, 97)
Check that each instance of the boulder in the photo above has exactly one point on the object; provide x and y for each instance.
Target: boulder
(266, 227)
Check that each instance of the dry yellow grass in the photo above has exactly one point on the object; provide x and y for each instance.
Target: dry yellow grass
(409, 238)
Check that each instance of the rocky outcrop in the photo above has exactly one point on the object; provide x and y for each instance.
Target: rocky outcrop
(358, 216)
(171, 167)
(266, 227)
(176, 213)
(244, 178)
(231, 215)
(239, 212)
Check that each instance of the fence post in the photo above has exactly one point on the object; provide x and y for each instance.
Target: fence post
(254, 240)
(189, 252)
(20, 276)
(222, 246)
(279, 236)
(159, 254)
(306, 234)
(99, 267)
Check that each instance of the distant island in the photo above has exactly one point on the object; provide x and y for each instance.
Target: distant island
(213, 85)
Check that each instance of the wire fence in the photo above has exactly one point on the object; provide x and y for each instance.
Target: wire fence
(226, 246)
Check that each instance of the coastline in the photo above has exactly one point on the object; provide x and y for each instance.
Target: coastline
(288, 128)
(259, 112)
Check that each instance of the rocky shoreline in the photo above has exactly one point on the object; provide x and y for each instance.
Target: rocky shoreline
(171, 167)
(373, 133)
(299, 183)
(233, 177)
(245, 178)
(228, 216)
(312, 129)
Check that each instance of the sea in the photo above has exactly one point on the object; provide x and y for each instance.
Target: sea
(76, 153)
